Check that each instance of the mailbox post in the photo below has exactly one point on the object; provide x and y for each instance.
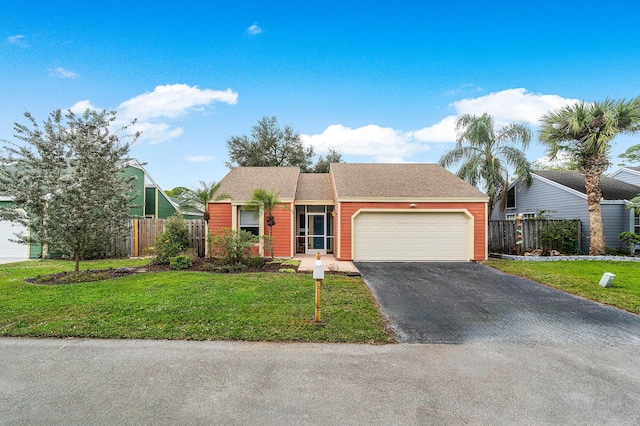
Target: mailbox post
(318, 275)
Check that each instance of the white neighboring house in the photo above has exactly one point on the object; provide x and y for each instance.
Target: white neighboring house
(9, 249)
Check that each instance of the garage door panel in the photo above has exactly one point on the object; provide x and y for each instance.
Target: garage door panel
(400, 236)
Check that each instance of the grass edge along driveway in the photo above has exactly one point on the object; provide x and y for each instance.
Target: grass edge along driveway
(187, 306)
(581, 277)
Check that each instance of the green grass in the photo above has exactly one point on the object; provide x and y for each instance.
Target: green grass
(186, 305)
(582, 278)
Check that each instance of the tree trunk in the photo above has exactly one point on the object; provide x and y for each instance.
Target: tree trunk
(77, 259)
(594, 195)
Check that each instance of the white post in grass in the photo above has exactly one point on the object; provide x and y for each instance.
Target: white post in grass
(318, 275)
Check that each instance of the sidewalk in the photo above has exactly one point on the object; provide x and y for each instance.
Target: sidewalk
(331, 264)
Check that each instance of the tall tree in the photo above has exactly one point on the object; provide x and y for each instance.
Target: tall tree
(585, 131)
(323, 164)
(269, 146)
(265, 201)
(486, 154)
(66, 176)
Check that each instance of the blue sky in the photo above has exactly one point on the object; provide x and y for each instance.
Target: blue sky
(379, 81)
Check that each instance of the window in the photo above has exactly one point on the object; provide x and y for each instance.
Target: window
(636, 223)
(528, 215)
(510, 216)
(523, 216)
(511, 197)
(249, 221)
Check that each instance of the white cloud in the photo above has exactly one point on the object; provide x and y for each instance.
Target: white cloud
(444, 131)
(153, 109)
(561, 159)
(81, 106)
(173, 100)
(64, 73)
(512, 105)
(385, 144)
(254, 29)
(199, 158)
(371, 140)
(18, 40)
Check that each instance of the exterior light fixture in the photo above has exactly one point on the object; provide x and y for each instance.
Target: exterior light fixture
(412, 205)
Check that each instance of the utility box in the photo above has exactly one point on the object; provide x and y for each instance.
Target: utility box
(318, 270)
(607, 279)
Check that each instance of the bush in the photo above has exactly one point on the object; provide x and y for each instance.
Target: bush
(630, 239)
(173, 241)
(561, 235)
(182, 261)
(231, 246)
(255, 262)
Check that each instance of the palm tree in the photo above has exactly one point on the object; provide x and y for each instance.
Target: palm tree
(486, 155)
(584, 132)
(263, 200)
(199, 198)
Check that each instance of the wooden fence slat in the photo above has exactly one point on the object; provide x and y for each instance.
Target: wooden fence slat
(502, 234)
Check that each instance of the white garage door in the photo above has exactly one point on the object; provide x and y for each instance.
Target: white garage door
(419, 236)
(9, 250)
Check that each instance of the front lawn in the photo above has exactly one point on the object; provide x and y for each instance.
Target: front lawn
(581, 277)
(186, 305)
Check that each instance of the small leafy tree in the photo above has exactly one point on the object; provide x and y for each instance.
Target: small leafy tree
(561, 235)
(66, 176)
(632, 154)
(231, 246)
(173, 241)
(323, 164)
(631, 239)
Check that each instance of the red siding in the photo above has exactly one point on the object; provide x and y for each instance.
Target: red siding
(220, 216)
(477, 210)
(281, 231)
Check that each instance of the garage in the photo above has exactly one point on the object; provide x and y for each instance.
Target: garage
(412, 236)
(8, 249)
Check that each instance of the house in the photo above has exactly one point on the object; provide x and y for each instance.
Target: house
(562, 195)
(627, 174)
(364, 212)
(150, 202)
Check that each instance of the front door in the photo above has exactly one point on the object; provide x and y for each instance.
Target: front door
(316, 238)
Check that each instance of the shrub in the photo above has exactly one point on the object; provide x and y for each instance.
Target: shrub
(231, 246)
(630, 239)
(561, 235)
(255, 262)
(182, 261)
(173, 241)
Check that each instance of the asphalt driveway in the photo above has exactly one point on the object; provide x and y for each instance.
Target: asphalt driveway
(472, 303)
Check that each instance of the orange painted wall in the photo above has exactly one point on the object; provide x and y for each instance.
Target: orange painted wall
(477, 210)
(281, 232)
(220, 216)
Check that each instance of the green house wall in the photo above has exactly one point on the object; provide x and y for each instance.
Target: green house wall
(138, 191)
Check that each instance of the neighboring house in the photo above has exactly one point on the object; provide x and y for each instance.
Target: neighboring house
(627, 174)
(562, 195)
(364, 212)
(150, 202)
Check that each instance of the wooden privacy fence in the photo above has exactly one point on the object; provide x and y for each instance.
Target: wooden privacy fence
(143, 234)
(502, 235)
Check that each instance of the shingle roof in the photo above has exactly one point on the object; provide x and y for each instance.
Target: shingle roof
(314, 186)
(240, 182)
(374, 181)
(612, 189)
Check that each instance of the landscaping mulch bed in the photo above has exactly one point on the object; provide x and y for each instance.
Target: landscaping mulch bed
(199, 265)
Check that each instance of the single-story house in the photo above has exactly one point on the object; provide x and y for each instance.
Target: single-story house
(562, 195)
(150, 202)
(363, 212)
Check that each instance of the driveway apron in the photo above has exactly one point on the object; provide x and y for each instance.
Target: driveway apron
(472, 303)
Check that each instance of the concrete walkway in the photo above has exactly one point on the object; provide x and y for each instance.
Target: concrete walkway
(3, 261)
(331, 264)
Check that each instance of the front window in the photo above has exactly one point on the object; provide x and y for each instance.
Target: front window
(636, 223)
(511, 197)
(249, 221)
